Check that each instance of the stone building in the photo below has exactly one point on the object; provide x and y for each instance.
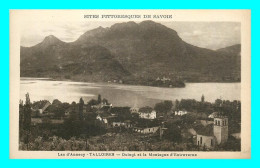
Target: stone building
(205, 136)
(207, 141)
(221, 129)
(213, 134)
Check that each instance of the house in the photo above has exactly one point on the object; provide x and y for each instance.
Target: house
(213, 115)
(118, 124)
(103, 104)
(205, 136)
(121, 123)
(192, 132)
(147, 114)
(145, 126)
(148, 130)
(39, 108)
(44, 107)
(128, 124)
(164, 79)
(180, 113)
(104, 117)
(212, 134)
(188, 133)
(111, 121)
(99, 118)
(206, 141)
(134, 110)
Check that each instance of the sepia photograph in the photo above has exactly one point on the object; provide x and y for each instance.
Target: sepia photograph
(130, 83)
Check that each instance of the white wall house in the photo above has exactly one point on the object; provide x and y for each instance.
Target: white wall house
(148, 115)
(103, 119)
(180, 113)
(126, 124)
(118, 124)
(150, 130)
(206, 141)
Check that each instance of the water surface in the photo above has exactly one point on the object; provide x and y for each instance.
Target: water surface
(124, 95)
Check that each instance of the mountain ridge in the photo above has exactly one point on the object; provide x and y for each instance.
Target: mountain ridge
(143, 51)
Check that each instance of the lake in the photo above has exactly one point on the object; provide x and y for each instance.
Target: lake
(124, 95)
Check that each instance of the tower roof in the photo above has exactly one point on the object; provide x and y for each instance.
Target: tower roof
(220, 116)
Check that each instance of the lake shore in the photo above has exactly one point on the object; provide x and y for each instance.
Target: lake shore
(124, 94)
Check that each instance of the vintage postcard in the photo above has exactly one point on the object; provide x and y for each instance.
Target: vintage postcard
(130, 84)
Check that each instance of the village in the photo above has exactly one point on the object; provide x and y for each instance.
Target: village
(185, 125)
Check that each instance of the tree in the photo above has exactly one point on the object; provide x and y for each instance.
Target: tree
(27, 120)
(177, 104)
(123, 113)
(218, 102)
(27, 113)
(202, 98)
(146, 109)
(81, 104)
(56, 102)
(21, 114)
(188, 104)
(58, 108)
(163, 107)
(189, 118)
(105, 101)
(99, 99)
(92, 102)
(73, 114)
(173, 133)
(168, 105)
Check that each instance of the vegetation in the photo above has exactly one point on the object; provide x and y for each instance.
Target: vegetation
(132, 53)
(81, 130)
(163, 108)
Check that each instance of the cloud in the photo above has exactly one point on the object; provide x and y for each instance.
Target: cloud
(197, 32)
(212, 35)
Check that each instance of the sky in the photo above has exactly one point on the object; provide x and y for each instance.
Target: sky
(211, 35)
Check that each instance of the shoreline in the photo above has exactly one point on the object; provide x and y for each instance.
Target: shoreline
(125, 84)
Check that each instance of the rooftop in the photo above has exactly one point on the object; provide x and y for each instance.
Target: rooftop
(204, 130)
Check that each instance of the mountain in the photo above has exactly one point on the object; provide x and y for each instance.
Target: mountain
(134, 53)
(55, 59)
(234, 50)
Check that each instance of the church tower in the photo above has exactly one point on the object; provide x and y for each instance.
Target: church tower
(221, 129)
